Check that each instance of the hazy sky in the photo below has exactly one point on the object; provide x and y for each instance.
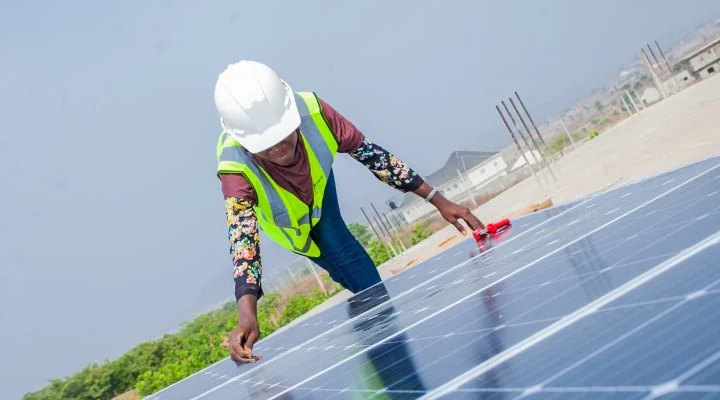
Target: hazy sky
(111, 218)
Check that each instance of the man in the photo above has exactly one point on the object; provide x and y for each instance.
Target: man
(275, 158)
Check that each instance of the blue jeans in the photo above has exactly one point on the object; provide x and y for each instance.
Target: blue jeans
(341, 255)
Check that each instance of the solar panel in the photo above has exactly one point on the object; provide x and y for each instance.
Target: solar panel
(613, 295)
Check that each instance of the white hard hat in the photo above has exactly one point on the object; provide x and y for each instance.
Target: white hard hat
(256, 107)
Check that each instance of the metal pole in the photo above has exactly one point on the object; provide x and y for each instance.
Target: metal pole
(317, 277)
(388, 227)
(532, 138)
(532, 152)
(401, 217)
(522, 104)
(376, 234)
(394, 220)
(387, 238)
(382, 224)
(667, 64)
(632, 102)
(652, 53)
(398, 219)
(627, 106)
(397, 236)
(656, 80)
(633, 92)
(467, 191)
(518, 145)
(663, 56)
(519, 131)
(291, 275)
(567, 132)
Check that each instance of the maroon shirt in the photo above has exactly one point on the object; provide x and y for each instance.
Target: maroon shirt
(295, 178)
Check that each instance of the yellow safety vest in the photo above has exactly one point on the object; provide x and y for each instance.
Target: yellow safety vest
(281, 214)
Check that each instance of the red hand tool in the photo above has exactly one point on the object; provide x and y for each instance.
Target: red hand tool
(479, 233)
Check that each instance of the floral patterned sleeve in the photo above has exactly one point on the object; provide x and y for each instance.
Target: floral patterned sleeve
(244, 246)
(387, 167)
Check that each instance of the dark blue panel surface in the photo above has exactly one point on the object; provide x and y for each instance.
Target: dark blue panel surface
(444, 317)
(691, 394)
(664, 331)
(599, 394)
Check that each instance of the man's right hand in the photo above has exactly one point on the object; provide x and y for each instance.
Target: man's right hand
(247, 331)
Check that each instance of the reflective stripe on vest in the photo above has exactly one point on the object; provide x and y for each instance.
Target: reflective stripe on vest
(281, 215)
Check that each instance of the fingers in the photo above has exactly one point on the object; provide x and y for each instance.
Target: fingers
(241, 343)
(249, 342)
(472, 220)
(456, 223)
(456, 212)
(236, 350)
(249, 359)
(459, 227)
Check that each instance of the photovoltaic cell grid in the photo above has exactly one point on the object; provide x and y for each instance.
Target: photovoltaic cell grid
(614, 295)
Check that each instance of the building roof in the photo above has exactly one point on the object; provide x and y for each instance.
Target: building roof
(701, 50)
(533, 157)
(458, 160)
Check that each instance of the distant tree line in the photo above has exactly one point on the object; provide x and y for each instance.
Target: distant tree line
(156, 364)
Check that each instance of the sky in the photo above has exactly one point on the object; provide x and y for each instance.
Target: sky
(112, 229)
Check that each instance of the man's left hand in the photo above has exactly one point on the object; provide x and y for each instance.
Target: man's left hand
(453, 213)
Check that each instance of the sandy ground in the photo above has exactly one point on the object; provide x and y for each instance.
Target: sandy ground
(680, 130)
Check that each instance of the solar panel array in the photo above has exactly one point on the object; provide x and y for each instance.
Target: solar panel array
(616, 295)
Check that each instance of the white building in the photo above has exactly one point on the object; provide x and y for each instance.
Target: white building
(674, 84)
(704, 61)
(493, 168)
(679, 81)
(650, 96)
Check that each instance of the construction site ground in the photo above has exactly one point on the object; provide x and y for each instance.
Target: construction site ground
(675, 132)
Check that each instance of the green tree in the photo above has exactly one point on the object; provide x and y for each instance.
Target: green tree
(599, 105)
(378, 252)
(420, 233)
(298, 305)
(361, 233)
(156, 364)
(559, 144)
